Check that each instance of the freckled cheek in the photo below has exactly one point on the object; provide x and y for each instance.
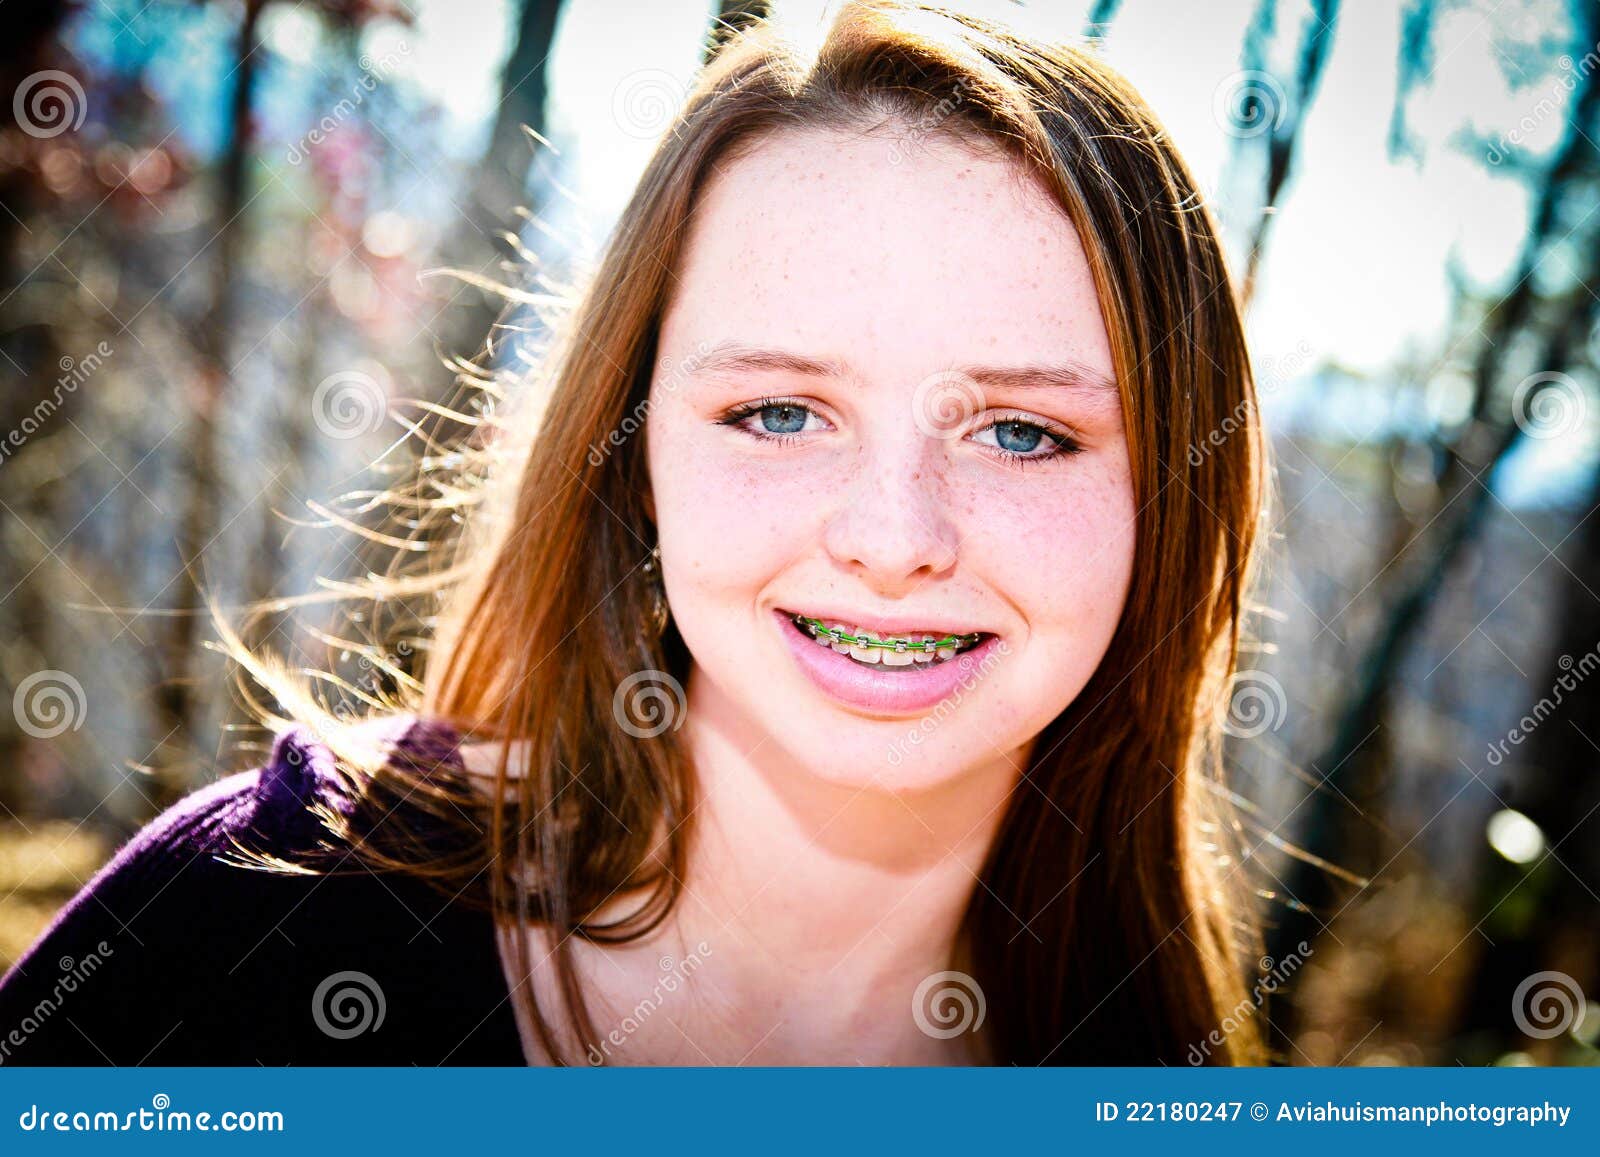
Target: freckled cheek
(735, 522)
(1063, 557)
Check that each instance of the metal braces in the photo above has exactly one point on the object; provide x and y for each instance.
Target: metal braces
(900, 646)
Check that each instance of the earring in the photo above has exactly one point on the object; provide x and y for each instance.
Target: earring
(658, 592)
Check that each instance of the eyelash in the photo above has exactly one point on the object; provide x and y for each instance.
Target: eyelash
(1066, 444)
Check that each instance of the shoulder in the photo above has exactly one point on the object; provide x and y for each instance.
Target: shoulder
(184, 948)
(271, 809)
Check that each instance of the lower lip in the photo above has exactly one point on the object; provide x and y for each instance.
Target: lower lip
(895, 690)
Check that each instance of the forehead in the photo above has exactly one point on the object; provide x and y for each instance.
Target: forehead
(907, 252)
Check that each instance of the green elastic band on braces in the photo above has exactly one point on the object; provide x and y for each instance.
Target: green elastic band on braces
(899, 646)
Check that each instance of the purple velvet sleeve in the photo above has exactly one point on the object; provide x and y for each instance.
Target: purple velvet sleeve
(174, 954)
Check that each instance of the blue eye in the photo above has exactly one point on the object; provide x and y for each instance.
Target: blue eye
(1017, 440)
(783, 418)
(1017, 437)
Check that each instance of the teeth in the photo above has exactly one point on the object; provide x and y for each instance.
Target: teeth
(910, 649)
(866, 654)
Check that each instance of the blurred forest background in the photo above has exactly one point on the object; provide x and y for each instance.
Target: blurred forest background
(216, 225)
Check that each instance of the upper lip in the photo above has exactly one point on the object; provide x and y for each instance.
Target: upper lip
(881, 625)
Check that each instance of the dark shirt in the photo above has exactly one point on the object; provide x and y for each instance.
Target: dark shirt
(173, 955)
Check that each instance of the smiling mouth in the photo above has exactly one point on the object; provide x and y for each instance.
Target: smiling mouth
(906, 651)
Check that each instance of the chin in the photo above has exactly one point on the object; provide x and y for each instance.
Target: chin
(898, 756)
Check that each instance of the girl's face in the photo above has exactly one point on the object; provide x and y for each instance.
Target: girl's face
(885, 399)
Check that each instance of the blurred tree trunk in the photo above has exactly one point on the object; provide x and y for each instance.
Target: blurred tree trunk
(1286, 111)
(178, 705)
(1353, 761)
(1540, 916)
(500, 183)
(288, 446)
(31, 354)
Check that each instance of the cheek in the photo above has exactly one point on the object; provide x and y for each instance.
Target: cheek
(1062, 553)
(727, 522)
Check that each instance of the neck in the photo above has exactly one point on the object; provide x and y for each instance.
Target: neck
(834, 902)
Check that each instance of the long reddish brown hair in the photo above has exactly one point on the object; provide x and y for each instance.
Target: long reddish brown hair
(1119, 852)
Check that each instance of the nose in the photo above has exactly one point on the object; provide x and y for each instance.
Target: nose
(894, 530)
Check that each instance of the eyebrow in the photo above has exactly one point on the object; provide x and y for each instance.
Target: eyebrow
(730, 356)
